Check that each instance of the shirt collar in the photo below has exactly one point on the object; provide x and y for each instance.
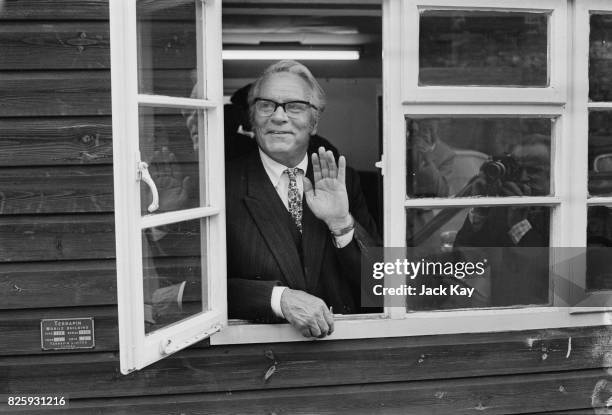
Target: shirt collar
(275, 170)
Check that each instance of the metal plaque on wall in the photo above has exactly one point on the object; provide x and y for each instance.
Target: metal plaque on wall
(67, 333)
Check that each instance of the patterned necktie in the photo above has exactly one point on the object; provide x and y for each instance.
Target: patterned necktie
(294, 198)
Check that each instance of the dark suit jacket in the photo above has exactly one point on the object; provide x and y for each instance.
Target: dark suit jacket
(265, 249)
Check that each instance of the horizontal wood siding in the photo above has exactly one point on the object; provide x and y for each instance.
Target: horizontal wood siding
(486, 395)
(57, 260)
(224, 368)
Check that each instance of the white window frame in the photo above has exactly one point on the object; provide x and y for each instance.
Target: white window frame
(557, 54)
(570, 198)
(138, 349)
(597, 300)
(568, 218)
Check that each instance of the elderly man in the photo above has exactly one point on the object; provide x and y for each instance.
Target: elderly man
(288, 259)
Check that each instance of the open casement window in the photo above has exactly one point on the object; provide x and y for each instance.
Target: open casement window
(169, 175)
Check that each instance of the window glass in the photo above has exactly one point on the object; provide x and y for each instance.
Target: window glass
(510, 242)
(174, 269)
(483, 48)
(169, 145)
(167, 48)
(600, 58)
(600, 153)
(478, 156)
(599, 243)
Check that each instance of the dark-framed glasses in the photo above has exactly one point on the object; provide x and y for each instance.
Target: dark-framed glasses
(267, 107)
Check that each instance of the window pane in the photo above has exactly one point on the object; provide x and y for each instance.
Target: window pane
(512, 241)
(600, 153)
(599, 252)
(167, 48)
(169, 145)
(600, 58)
(174, 272)
(483, 48)
(478, 156)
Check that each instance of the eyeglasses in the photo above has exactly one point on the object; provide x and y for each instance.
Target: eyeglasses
(267, 107)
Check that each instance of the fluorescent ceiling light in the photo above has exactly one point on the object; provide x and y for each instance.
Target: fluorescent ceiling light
(297, 54)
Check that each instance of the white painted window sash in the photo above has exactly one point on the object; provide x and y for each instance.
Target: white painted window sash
(580, 106)
(175, 102)
(138, 349)
(557, 54)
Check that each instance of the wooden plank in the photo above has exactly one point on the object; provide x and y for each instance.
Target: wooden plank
(84, 189)
(52, 45)
(71, 93)
(85, 236)
(54, 10)
(56, 190)
(52, 141)
(78, 141)
(86, 45)
(55, 93)
(490, 395)
(58, 284)
(233, 368)
(82, 236)
(79, 283)
(21, 330)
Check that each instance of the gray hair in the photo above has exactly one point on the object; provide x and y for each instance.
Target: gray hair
(289, 66)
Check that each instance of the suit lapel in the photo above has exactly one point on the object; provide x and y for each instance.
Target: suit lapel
(314, 238)
(269, 215)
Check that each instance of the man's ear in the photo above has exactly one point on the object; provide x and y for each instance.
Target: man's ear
(315, 125)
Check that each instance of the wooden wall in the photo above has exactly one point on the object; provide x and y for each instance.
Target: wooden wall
(57, 260)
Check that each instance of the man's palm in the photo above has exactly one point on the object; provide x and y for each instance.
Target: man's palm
(327, 198)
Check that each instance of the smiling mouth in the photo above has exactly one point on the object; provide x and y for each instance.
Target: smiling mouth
(279, 132)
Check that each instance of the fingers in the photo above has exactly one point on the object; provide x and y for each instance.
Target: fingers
(329, 319)
(307, 313)
(342, 169)
(511, 189)
(324, 163)
(316, 167)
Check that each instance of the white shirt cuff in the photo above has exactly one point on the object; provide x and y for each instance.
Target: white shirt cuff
(275, 301)
(344, 240)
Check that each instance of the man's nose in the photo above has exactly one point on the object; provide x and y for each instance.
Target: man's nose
(279, 115)
(524, 176)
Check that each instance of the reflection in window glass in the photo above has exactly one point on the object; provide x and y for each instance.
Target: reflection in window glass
(483, 48)
(599, 243)
(600, 153)
(512, 241)
(169, 145)
(167, 48)
(600, 58)
(172, 272)
(478, 157)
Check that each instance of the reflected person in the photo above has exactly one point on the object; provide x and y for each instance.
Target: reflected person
(515, 279)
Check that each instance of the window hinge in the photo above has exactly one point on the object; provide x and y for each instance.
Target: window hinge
(169, 346)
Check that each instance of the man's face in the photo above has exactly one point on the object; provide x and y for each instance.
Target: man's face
(284, 138)
(534, 160)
